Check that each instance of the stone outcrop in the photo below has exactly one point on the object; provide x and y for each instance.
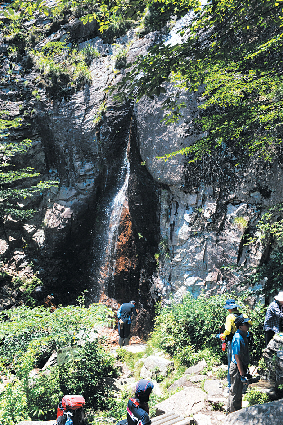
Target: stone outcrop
(156, 367)
(185, 402)
(260, 414)
(273, 357)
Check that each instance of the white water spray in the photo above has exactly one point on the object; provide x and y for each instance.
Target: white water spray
(114, 213)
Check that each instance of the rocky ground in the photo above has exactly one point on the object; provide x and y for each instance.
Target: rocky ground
(199, 395)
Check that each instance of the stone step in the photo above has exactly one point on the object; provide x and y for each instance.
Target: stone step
(170, 419)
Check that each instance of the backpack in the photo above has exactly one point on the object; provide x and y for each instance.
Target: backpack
(71, 405)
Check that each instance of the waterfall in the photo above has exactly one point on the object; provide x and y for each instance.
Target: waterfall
(107, 245)
(116, 209)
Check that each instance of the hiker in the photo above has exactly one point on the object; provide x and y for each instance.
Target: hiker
(137, 408)
(239, 363)
(230, 330)
(273, 316)
(125, 313)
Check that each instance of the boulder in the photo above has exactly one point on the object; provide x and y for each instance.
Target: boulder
(196, 369)
(201, 419)
(260, 414)
(154, 366)
(186, 402)
(213, 387)
(184, 381)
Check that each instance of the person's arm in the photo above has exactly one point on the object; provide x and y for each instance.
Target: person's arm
(228, 326)
(119, 313)
(146, 420)
(275, 311)
(239, 364)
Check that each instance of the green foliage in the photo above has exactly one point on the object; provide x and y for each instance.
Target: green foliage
(89, 375)
(16, 184)
(230, 57)
(269, 226)
(132, 360)
(100, 113)
(27, 286)
(187, 331)
(184, 329)
(14, 404)
(255, 396)
(28, 338)
(121, 58)
(62, 67)
(159, 12)
(89, 52)
(241, 222)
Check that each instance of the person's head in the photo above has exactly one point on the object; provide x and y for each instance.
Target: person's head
(133, 302)
(279, 298)
(143, 390)
(231, 305)
(242, 323)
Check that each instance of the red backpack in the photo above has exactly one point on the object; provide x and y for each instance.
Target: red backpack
(73, 403)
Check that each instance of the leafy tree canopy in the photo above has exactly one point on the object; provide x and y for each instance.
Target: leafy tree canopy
(231, 55)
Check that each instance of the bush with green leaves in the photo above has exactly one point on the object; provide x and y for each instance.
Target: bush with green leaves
(185, 330)
(255, 396)
(89, 374)
(28, 338)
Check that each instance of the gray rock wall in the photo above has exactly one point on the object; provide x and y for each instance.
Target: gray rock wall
(202, 229)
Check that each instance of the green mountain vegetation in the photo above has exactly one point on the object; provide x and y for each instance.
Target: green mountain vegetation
(185, 331)
(29, 337)
(231, 57)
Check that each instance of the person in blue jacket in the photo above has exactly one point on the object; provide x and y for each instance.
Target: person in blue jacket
(239, 363)
(137, 408)
(125, 313)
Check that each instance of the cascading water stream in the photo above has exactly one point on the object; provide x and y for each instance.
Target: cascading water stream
(115, 211)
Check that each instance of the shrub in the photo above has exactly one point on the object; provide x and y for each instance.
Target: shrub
(89, 52)
(254, 396)
(13, 404)
(183, 330)
(28, 337)
(89, 375)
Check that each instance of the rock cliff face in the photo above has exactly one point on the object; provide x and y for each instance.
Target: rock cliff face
(174, 232)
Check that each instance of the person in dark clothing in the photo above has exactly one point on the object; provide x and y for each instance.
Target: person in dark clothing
(273, 317)
(125, 313)
(137, 408)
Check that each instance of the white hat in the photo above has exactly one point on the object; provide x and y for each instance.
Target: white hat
(279, 297)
